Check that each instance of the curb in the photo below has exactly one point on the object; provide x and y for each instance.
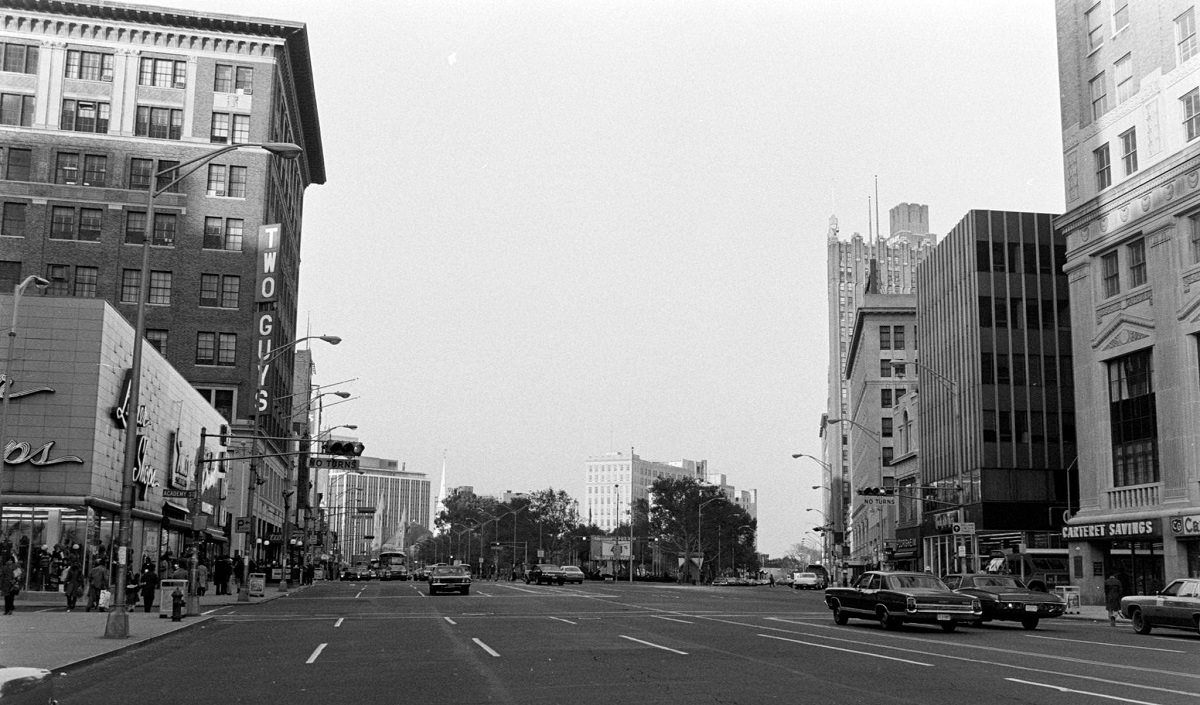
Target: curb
(125, 648)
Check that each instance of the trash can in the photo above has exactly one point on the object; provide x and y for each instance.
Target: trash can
(258, 584)
(1070, 594)
(165, 589)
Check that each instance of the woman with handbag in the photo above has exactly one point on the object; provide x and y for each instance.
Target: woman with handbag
(73, 585)
(9, 584)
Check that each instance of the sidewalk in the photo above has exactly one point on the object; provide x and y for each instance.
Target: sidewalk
(40, 633)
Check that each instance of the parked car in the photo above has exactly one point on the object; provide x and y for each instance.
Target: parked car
(807, 581)
(894, 598)
(444, 578)
(572, 574)
(1177, 606)
(545, 573)
(1005, 598)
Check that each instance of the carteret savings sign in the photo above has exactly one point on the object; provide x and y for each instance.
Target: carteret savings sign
(266, 316)
(1112, 530)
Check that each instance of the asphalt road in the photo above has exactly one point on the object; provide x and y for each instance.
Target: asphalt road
(618, 643)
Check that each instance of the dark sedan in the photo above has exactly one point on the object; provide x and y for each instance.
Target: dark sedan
(446, 578)
(545, 573)
(1004, 598)
(895, 598)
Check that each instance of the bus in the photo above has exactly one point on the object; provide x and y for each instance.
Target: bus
(393, 565)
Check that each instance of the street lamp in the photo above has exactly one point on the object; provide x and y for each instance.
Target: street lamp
(117, 624)
(5, 377)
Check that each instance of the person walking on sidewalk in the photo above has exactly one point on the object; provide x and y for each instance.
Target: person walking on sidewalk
(10, 585)
(201, 579)
(73, 585)
(97, 581)
(1113, 590)
(149, 587)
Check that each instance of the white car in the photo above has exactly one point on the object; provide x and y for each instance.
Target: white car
(806, 581)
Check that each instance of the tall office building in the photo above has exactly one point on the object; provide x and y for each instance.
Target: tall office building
(994, 368)
(380, 504)
(849, 268)
(1130, 101)
(97, 97)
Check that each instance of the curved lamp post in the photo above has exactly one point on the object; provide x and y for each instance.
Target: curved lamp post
(117, 624)
(5, 377)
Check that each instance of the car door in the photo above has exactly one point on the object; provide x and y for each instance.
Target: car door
(1156, 607)
(1178, 608)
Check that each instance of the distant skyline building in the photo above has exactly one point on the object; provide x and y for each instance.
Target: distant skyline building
(376, 505)
(1129, 77)
(848, 270)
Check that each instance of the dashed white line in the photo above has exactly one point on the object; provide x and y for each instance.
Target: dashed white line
(315, 654)
(849, 651)
(339, 622)
(360, 592)
(486, 648)
(1094, 694)
(563, 620)
(451, 621)
(671, 619)
(1104, 643)
(657, 646)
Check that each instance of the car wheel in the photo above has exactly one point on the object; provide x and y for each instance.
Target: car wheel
(886, 620)
(1141, 625)
(949, 626)
(839, 617)
(1029, 622)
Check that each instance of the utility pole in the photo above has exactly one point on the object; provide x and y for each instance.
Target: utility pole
(251, 536)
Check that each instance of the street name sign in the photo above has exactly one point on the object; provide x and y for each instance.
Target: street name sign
(179, 494)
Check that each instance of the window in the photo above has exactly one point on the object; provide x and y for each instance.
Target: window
(10, 274)
(1194, 235)
(1123, 75)
(219, 290)
(162, 73)
(223, 234)
(229, 79)
(158, 123)
(241, 129)
(244, 79)
(140, 173)
(216, 180)
(164, 230)
(160, 288)
(85, 116)
(885, 398)
(158, 338)
(89, 65)
(1137, 263)
(216, 348)
(1129, 150)
(1103, 168)
(18, 58)
(1099, 91)
(85, 281)
(95, 169)
(1095, 28)
(131, 280)
(220, 128)
(1110, 275)
(1003, 371)
(1018, 369)
(66, 169)
(885, 337)
(885, 427)
(885, 368)
(237, 182)
(1120, 15)
(1191, 114)
(18, 164)
(1000, 311)
(1031, 314)
(1185, 34)
(135, 227)
(1050, 370)
(166, 174)
(985, 312)
(16, 109)
(886, 453)
(1133, 419)
(62, 223)
(58, 275)
(90, 222)
(898, 338)
(13, 224)
(223, 79)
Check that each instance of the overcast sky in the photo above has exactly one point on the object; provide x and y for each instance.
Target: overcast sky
(557, 229)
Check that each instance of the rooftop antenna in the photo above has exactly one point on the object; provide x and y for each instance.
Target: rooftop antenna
(877, 225)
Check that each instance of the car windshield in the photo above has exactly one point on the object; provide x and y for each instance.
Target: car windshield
(547, 566)
(807, 576)
(915, 581)
(572, 569)
(449, 570)
(1006, 581)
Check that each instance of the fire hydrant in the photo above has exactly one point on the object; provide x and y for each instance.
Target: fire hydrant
(176, 605)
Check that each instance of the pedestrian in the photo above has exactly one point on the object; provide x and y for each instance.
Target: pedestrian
(201, 579)
(133, 584)
(771, 576)
(221, 572)
(239, 567)
(1113, 590)
(73, 584)
(97, 580)
(10, 584)
(149, 586)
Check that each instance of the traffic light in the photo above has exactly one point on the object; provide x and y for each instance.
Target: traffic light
(350, 449)
(876, 491)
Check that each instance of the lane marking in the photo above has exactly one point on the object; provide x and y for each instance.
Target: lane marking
(671, 619)
(1061, 689)
(360, 592)
(657, 646)
(339, 622)
(450, 621)
(316, 653)
(563, 620)
(849, 651)
(486, 648)
(1105, 643)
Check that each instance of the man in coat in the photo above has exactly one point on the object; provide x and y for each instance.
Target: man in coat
(97, 581)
